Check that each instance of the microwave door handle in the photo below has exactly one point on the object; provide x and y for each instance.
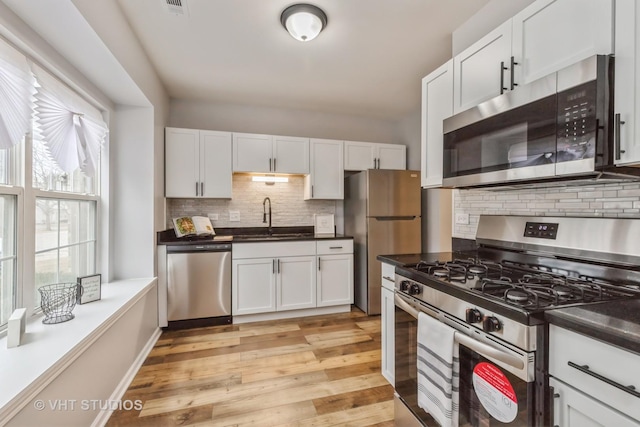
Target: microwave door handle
(488, 351)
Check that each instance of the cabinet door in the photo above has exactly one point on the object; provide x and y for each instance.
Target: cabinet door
(335, 280)
(359, 156)
(253, 286)
(252, 153)
(387, 334)
(437, 105)
(291, 155)
(215, 164)
(477, 69)
(549, 35)
(392, 156)
(182, 168)
(326, 177)
(295, 283)
(627, 87)
(572, 408)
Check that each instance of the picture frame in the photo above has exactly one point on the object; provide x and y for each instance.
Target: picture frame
(89, 288)
(324, 224)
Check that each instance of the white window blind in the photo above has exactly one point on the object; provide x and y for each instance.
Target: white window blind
(16, 96)
(71, 128)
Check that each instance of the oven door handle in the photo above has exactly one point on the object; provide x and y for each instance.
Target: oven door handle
(488, 351)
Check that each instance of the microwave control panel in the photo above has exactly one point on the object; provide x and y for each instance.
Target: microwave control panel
(541, 230)
(577, 122)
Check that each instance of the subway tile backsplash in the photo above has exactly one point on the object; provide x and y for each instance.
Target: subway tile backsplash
(605, 200)
(287, 205)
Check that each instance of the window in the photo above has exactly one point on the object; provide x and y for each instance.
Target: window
(55, 135)
(65, 240)
(8, 259)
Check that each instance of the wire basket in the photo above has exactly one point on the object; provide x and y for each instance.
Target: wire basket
(57, 302)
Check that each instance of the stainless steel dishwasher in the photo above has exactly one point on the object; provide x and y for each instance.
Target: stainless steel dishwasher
(199, 283)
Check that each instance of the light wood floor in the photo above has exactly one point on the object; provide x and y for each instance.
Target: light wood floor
(314, 371)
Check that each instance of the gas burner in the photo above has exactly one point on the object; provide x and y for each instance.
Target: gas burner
(440, 272)
(516, 295)
(563, 291)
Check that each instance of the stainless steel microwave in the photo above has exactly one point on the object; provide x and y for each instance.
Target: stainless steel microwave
(555, 128)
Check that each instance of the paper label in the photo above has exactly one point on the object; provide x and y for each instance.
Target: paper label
(495, 392)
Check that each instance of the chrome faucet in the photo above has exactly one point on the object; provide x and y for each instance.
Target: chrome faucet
(264, 214)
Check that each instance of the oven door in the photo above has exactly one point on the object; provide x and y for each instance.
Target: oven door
(497, 385)
(509, 138)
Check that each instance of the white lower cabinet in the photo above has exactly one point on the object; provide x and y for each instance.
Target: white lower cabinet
(387, 319)
(253, 286)
(334, 278)
(572, 408)
(270, 277)
(589, 378)
(295, 283)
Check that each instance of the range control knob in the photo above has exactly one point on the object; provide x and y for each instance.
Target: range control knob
(473, 315)
(404, 285)
(414, 289)
(491, 324)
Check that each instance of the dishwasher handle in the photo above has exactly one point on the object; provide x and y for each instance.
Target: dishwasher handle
(199, 247)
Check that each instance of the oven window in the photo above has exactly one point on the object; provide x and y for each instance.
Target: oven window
(492, 396)
(524, 136)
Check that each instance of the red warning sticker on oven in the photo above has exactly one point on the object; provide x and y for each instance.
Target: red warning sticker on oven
(495, 392)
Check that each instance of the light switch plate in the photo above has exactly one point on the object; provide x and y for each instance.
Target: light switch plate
(462, 218)
(213, 216)
(234, 216)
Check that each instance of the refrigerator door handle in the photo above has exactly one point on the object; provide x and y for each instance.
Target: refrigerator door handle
(395, 218)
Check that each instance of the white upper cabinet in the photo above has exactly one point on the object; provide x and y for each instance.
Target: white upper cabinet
(359, 156)
(481, 71)
(549, 35)
(543, 38)
(437, 105)
(197, 163)
(326, 174)
(290, 155)
(627, 87)
(267, 153)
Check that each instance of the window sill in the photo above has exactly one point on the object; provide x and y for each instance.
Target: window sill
(46, 350)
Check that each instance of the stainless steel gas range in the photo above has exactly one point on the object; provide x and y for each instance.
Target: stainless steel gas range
(493, 298)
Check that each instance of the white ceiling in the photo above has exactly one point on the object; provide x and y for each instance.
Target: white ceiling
(368, 61)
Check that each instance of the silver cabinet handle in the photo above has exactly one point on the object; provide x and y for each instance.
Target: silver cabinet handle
(618, 127)
(278, 266)
(270, 164)
(335, 247)
(585, 369)
(196, 189)
(274, 164)
(502, 68)
(513, 64)
(388, 278)
(312, 191)
(202, 189)
(273, 266)
(318, 263)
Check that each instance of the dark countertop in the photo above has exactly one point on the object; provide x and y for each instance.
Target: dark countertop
(412, 259)
(614, 322)
(246, 235)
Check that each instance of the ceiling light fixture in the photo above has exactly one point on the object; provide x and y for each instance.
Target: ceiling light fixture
(303, 21)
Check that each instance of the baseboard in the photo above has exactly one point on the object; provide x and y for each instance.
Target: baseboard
(277, 315)
(122, 387)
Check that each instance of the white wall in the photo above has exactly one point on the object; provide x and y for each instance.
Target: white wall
(279, 121)
(409, 134)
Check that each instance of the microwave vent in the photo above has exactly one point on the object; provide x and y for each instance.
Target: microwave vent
(177, 7)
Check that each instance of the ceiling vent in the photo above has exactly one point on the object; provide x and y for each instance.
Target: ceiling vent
(177, 7)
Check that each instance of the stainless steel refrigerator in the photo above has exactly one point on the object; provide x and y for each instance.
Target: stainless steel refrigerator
(382, 213)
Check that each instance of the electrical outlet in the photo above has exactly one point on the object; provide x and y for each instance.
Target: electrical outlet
(213, 216)
(462, 218)
(234, 216)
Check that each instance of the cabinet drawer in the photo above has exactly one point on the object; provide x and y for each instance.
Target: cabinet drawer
(334, 247)
(610, 362)
(272, 250)
(388, 276)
